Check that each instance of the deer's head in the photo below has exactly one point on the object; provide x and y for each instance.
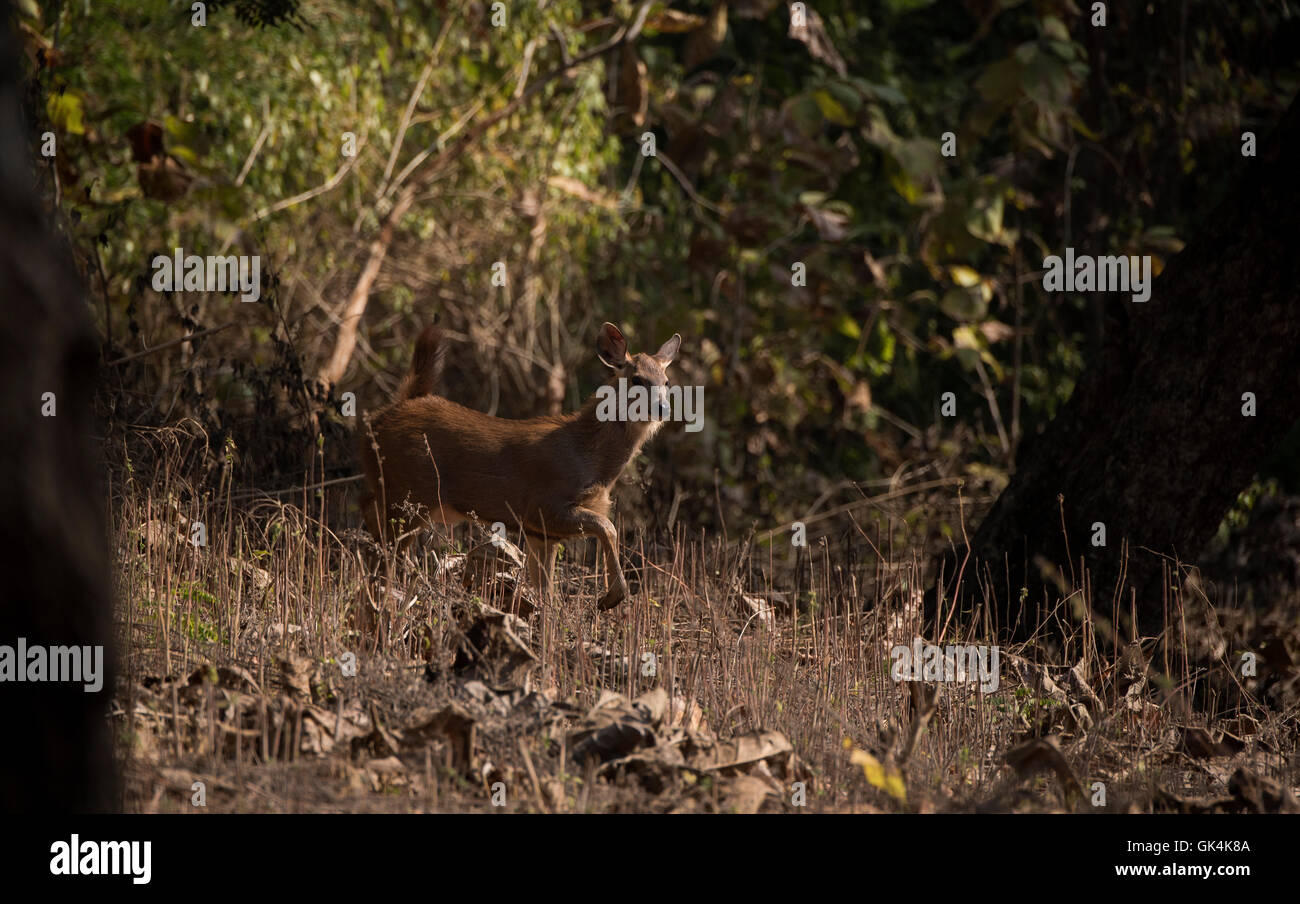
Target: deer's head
(641, 370)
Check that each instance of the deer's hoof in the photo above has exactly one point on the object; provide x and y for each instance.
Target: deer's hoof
(613, 596)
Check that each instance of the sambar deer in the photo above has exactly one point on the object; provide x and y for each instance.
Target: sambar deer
(550, 475)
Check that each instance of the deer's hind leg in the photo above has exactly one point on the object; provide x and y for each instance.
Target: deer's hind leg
(541, 563)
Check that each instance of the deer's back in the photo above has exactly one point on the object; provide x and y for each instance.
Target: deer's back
(500, 469)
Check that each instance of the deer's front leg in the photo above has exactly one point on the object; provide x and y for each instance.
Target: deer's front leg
(617, 591)
(590, 522)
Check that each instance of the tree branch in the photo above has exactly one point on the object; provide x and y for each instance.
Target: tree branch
(333, 371)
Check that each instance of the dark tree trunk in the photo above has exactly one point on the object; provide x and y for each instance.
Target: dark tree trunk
(55, 756)
(1153, 442)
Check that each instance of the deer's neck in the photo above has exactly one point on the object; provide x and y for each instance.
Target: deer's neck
(612, 443)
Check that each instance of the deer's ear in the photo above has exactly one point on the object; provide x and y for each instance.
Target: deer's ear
(611, 346)
(668, 350)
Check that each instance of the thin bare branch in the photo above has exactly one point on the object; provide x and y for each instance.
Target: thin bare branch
(167, 345)
(332, 372)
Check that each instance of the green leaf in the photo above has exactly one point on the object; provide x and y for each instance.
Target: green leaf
(984, 219)
(904, 185)
(964, 304)
(847, 326)
(832, 109)
(1054, 28)
(65, 113)
(886, 93)
(964, 276)
(964, 336)
(468, 69)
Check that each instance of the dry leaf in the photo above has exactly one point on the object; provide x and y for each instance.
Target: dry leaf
(879, 775)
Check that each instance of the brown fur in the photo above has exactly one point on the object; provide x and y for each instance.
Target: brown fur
(550, 475)
(426, 366)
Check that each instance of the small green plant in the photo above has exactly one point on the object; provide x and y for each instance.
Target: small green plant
(194, 592)
(199, 630)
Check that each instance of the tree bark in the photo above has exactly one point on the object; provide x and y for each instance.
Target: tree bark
(56, 755)
(1153, 443)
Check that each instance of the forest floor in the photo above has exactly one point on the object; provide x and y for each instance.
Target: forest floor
(267, 667)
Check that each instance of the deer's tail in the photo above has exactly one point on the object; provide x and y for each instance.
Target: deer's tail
(426, 366)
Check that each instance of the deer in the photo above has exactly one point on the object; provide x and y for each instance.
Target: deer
(551, 475)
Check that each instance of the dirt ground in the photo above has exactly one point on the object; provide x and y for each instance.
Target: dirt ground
(274, 670)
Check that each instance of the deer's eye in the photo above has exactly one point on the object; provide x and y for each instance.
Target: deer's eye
(640, 381)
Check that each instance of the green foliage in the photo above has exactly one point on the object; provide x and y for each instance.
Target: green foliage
(920, 267)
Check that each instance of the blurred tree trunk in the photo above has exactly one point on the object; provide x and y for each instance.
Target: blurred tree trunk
(56, 755)
(1153, 442)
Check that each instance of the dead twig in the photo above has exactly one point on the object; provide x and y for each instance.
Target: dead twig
(167, 345)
